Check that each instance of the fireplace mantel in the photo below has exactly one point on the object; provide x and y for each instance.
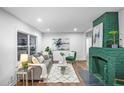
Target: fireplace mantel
(107, 64)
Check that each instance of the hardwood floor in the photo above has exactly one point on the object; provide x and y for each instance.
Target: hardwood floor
(77, 66)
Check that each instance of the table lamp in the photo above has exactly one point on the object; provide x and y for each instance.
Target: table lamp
(24, 60)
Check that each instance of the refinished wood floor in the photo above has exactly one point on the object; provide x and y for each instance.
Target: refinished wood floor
(77, 66)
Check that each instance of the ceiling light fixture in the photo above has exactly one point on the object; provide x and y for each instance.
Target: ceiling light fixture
(48, 29)
(39, 20)
(75, 29)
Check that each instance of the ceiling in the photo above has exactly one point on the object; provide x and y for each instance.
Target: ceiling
(59, 19)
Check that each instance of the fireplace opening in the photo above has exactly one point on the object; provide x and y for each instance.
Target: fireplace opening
(99, 68)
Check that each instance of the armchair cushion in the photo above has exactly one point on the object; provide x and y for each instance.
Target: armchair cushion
(71, 58)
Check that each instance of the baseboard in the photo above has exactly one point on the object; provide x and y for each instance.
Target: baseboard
(80, 60)
(76, 61)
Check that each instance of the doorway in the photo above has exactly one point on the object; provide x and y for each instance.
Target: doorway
(88, 44)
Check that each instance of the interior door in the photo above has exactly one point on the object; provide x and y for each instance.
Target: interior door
(88, 44)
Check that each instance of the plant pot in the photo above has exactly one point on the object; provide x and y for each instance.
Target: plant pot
(114, 46)
(25, 69)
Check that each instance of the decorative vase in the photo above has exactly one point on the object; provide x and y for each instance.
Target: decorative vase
(64, 60)
(114, 46)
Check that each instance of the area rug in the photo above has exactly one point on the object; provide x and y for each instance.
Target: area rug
(55, 75)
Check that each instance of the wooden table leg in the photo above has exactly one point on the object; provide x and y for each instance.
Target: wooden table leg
(32, 76)
(27, 79)
(23, 78)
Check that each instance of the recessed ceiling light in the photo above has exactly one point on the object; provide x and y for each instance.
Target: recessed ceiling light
(48, 29)
(39, 20)
(75, 29)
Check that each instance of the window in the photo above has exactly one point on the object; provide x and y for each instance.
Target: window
(32, 45)
(25, 44)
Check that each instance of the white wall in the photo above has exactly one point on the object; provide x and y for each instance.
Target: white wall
(8, 44)
(121, 27)
(77, 42)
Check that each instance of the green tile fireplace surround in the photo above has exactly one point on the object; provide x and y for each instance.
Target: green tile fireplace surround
(107, 64)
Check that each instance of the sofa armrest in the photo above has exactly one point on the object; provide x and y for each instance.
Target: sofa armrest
(37, 71)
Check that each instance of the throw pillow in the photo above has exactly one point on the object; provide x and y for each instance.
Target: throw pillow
(45, 55)
(40, 59)
(36, 55)
(34, 60)
(30, 59)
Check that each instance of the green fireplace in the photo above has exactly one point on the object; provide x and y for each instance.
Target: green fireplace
(105, 63)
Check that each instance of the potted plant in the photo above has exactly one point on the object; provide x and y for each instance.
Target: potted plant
(113, 34)
(25, 65)
(63, 58)
(62, 54)
(47, 49)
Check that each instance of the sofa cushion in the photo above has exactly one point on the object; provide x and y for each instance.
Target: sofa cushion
(47, 62)
(30, 59)
(34, 60)
(40, 59)
(45, 55)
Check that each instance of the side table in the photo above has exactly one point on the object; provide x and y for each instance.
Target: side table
(24, 74)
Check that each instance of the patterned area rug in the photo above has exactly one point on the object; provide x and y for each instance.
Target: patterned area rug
(56, 76)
